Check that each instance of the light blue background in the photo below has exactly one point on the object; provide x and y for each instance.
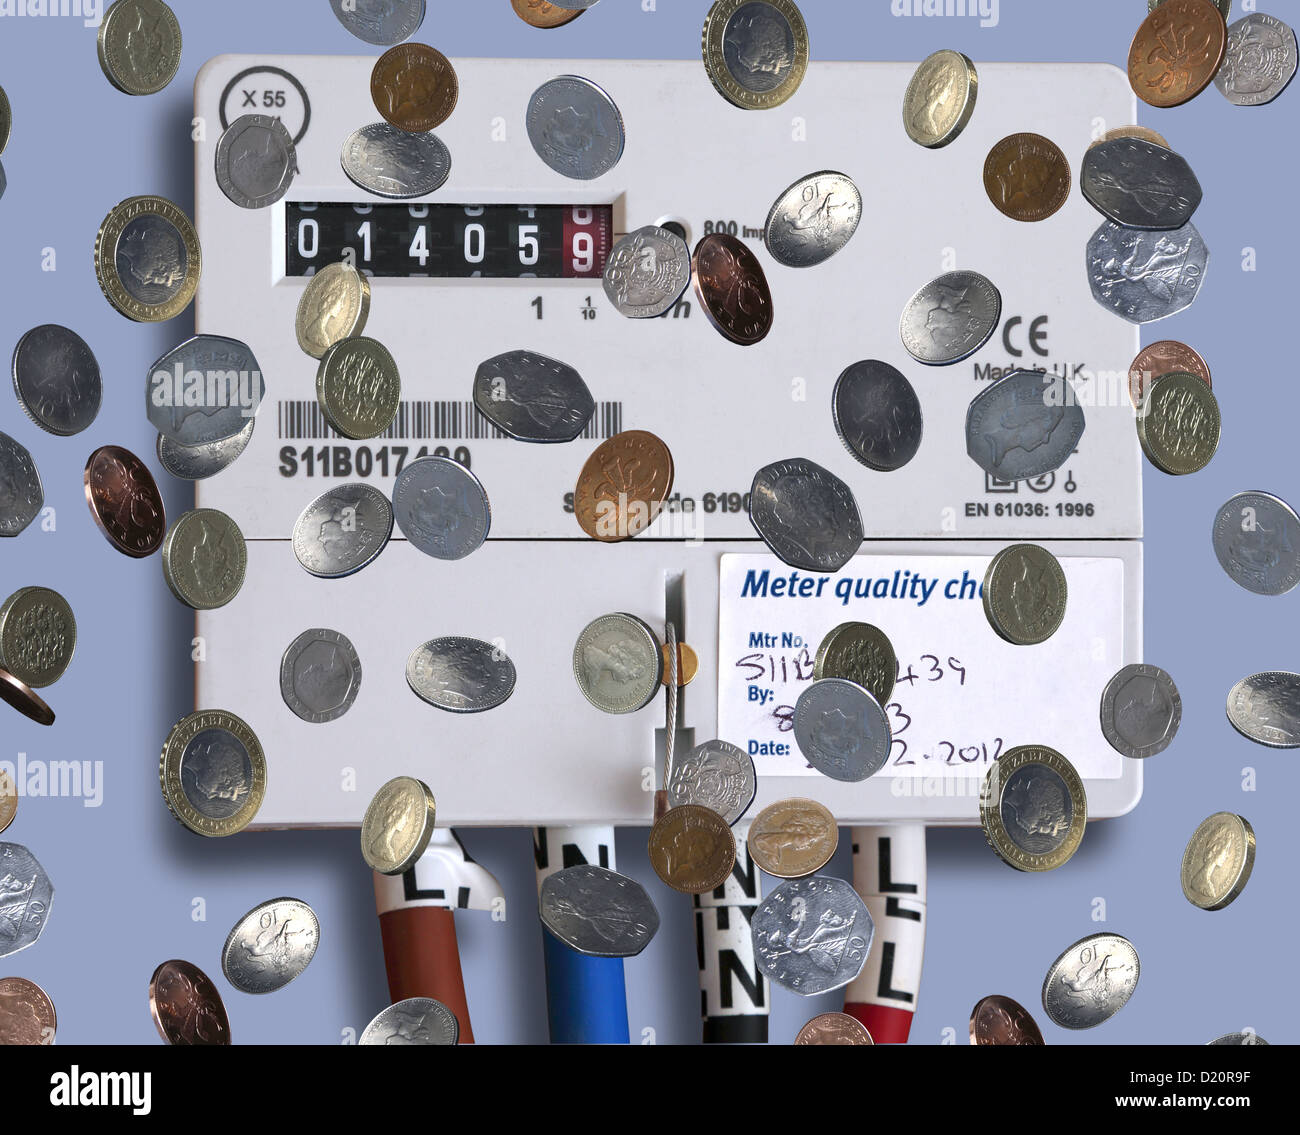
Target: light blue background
(126, 873)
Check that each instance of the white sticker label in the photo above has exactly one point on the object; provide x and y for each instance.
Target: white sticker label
(963, 695)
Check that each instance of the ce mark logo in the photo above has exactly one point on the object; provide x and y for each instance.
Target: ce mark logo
(1034, 337)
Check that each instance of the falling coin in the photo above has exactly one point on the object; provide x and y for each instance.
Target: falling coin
(575, 127)
(623, 485)
(1143, 133)
(27, 896)
(24, 699)
(950, 318)
(388, 162)
(186, 1006)
(199, 462)
(1180, 424)
(793, 838)
(414, 87)
(1159, 359)
(21, 494)
(618, 663)
(26, 1012)
(598, 912)
(543, 14)
(57, 380)
(1024, 425)
(1265, 708)
(877, 415)
(124, 501)
(334, 305)
(380, 22)
(256, 161)
(834, 1028)
(1091, 982)
(1176, 52)
(1027, 177)
(147, 259)
(38, 636)
(342, 530)
(441, 508)
(358, 387)
(1140, 185)
(320, 675)
(732, 288)
(270, 946)
(1257, 542)
(533, 398)
(755, 51)
(398, 825)
(692, 849)
(1140, 711)
(841, 730)
(1033, 808)
(806, 515)
(204, 558)
(813, 219)
(861, 653)
(139, 46)
(1260, 60)
(1218, 861)
(213, 773)
(417, 1020)
(1025, 594)
(1000, 1020)
(940, 99)
(460, 675)
(646, 272)
(717, 775)
(198, 413)
(1123, 263)
(812, 935)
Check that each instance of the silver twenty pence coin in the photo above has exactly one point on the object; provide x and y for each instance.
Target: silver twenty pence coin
(21, 494)
(56, 378)
(530, 397)
(417, 1020)
(877, 415)
(618, 663)
(320, 675)
(256, 161)
(270, 946)
(1139, 185)
(1140, 711)
(342, 530)
(575, 128)
(1265, 708)
(598, 912)
(806, 515)
(205, 390)
(841, 730)
(383, 23)
(389, 162)
(1091, 981)
(1024, 425)
(812, 935)
(25, 897)
(813, 219)
(461, 675)
(950, 318)
(646, 272)
(1145, 276)
(1260, 61)
(199, 462)
(716, 775)
(441, 508)
(1257, 541)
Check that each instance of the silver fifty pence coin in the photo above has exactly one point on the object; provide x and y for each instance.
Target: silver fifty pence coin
(530, 397)
(25, 897)
(598, 912)
(618, 663)
(256, 161)
(270, 946)
(207, 389)
(1257, 542)
(417, 1020)
(1091, 981)
(646, 272)
(342, 530)
(21, 494)
(717, 775)
(950, 318)
(1145, 276)
(441, 508)
(1260, 61)
(812, 935)
(461, 675)
(383, 23)
(320, 675)
(1140, 711)
(388, 162)
(806, 515)
(813, 219)
(1024, 425)
(1265, 708)
(56, 379)
(877, 415)
(1139, 185)
(841, 730)
(575, 127)
(199, 462)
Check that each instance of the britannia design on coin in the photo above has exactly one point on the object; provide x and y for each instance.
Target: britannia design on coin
(812, 935)
(1145, 276)
(533, 398)
(26, 895)
(1139, 184)
(598, 912)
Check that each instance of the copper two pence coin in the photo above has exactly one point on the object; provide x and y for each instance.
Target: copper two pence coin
(692, 849)
(1177, 52)
(732, 288)
(544, 14)
(186, 1006)
(834, 1028)
(623, 485)
(26, 1013)
(999, 1020)
(1160, 359)
(414, 87)
(125, 502)
(1027, 177)
(26, 701)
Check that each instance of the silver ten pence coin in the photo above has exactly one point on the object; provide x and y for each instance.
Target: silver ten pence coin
(441, 508)
(716, 775)
(1265, 708)
(1025, 425)
(320, 675)
(342, 530)
(461, 675)
(598, 912)
(270, 946)
(1257, 542)
(812, 935)
(1260, 61)
(21, 494)
(813, 219)
(1140, 711)
(950, 318)
(530, 397)
(1145, 276)
(205, 390)
(389, 162)
(199, 462)
(575, 127)
(806, 515)
(877, 415)
(841, 730)
(256, 161)
(618, 663)
(646, 272)
(1091, 981)
(417, 1020)
(1139, 185)
(56, 379)
(26, 894)
(383, 23)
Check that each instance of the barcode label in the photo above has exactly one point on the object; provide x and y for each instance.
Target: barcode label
(435, 421)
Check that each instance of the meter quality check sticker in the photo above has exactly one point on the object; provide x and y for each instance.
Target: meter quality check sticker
(962, 695)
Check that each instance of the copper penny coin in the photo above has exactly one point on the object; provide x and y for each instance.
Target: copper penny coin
(414, 87)
(125, 502)
(692, 849)
(1027, 177)
(26, 1013)
(793, 838)
(544, 14)
(186, 1006)
(999, 1020)
(1160, 359)
(1177, 52)
(834, 1028)
(623, 485)
(25, 700)
(8, 800)
(732, 288)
